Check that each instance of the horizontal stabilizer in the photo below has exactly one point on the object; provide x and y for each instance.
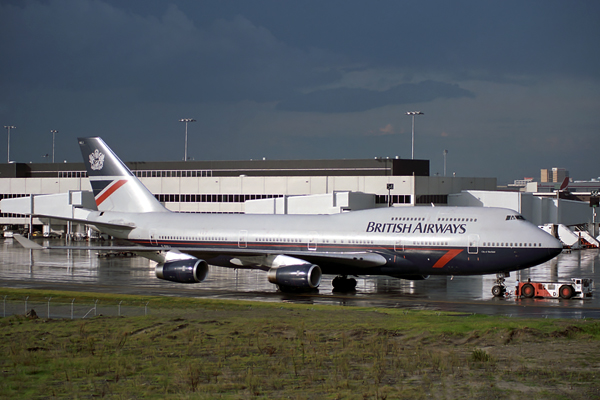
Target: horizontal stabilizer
(28, 244)
(77, 206)
(59, 205)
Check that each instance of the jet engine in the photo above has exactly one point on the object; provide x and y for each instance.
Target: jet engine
(190, 270)
(303, 276)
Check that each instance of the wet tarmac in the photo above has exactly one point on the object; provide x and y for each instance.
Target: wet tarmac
(84, 271)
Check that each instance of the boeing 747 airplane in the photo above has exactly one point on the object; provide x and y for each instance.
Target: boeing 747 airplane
(295, 250)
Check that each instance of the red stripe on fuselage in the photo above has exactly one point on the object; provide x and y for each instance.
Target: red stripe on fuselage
(110, 190)
(445, 259)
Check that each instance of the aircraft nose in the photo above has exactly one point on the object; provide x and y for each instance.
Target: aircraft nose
(553, 252)
(555, 248)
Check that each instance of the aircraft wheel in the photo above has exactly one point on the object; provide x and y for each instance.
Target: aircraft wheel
(498, 291)
(565, 292)
(343, 284)
(527, 290)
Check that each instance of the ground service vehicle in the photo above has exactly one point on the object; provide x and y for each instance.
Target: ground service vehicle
(580, 288)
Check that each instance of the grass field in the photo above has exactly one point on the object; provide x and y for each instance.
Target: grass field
(207, 349)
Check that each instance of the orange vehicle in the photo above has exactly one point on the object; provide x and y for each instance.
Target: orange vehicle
(578, 288)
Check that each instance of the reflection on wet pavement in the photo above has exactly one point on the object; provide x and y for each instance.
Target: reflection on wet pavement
(83, 270)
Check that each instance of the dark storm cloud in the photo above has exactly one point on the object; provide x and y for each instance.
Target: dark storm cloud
(89, 45)
(271, 51)
(485, 39)
(355, 100)
(466, 38)
(491, 76)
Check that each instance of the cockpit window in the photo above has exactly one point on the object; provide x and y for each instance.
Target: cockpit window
(509, 217)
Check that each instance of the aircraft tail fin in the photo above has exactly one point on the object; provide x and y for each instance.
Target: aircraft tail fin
(564, 184)
(115, 187)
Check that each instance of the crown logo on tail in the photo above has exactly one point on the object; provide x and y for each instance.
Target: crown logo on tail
(96, 160)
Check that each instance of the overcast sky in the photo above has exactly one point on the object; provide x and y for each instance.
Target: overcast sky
(507, 87)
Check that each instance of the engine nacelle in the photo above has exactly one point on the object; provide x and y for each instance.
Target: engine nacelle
(183, 271)
(297, 276)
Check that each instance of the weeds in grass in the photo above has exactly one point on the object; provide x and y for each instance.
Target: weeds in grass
(481, 356)
(591, 328)
(193, 372)
(232, 351)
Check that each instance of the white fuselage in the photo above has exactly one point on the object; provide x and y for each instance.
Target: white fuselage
(412, 239)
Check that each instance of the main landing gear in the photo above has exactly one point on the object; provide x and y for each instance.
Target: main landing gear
(499, 288)
(343, 284)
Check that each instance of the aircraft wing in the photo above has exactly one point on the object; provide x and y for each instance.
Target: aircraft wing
(31, 245)
(362, 259)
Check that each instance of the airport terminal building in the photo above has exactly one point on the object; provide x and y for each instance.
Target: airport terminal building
(258, 186)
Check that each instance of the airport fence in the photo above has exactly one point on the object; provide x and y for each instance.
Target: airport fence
(35, 307)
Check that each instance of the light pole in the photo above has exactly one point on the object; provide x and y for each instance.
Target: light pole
(445, 153)
(8, 128)
(413, 113)
(186, 120)
(54, 132)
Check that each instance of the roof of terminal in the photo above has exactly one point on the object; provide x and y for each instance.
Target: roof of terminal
(345, 167)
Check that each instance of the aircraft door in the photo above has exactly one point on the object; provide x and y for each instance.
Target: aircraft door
(398, 245)
(473, 247)
(243, 240)
(312, 241)
(153, 241)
